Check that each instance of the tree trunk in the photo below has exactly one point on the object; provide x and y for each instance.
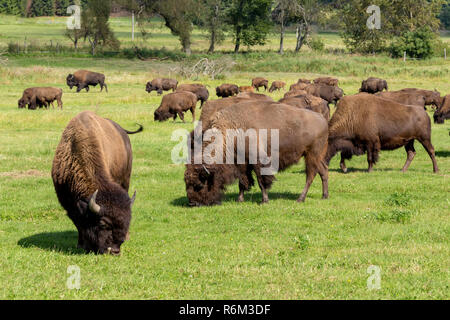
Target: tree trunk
(238, 40)
(28, 8)
(212, 41)
(281, 51)
(301, 38)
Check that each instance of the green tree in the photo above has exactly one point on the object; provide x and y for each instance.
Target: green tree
(284, 13)
(213, 19)
(250, 20)
(445, 15)
(397, 18)
(95, 25)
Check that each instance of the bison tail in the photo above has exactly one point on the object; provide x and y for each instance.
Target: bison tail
(141, 128)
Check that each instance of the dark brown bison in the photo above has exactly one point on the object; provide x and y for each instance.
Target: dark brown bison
(298, 86)
(301, 133)
(246, 89)
(91, 174)
(227, 90)
(294, 93)
(331, 94)
(41, 97)
(309, 102)
(198, 89)
(367, 123)
(374, 85)
(160, 85)
(443, 112)
(277, 85)
(415, 97)
(175, 104)
(327, 81)
(306, 81)
(260, 82)
(82, 79)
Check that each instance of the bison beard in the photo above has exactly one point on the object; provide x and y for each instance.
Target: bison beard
(367, 123)
(301, 132)
(91, 175)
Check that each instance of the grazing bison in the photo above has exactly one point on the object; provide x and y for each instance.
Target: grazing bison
(198, 89)
(260, 82)
(294, 93)
(227, 90)
(41, 97)
(327, 81)
(255, 96)
(413, 97)
(246, 89)
(298, 86)
(160, 85)
(332, 94)
(91, 174)
(306, 81)
(309, 102)
(443, 112)
(374, 85)
(367, 123)
(277, 85)
(82, 79)
(175, 104)
(301, 133)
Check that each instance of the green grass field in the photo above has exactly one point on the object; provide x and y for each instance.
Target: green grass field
(282, 250)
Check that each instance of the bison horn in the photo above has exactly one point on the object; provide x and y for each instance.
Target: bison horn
(93, 206)
(207, 171)
(132, 199)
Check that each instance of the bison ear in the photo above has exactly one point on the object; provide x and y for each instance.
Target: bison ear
(93, 206)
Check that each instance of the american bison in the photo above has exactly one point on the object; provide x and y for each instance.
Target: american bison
(260, 82)
(309, 102)
(198, 89)
(40, 97)
(277, 85)
(159, 85)
(175, 104)
(327, 81)
(82, 79)
(443, 112)
(298, 86)
(332, 94)
(306, 81)
(301, 133)
(367, 123)
(255, 96)
(246, 89)
(415, 97)
(227, 90)
(91, 175)
(374, 85)
(294, 93)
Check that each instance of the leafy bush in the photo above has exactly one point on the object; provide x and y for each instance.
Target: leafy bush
(316, 44)
(416, 44)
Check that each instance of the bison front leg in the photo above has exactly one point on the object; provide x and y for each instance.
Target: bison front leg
(342, 164)
(193, 114)
(181, 115)
(411, 153)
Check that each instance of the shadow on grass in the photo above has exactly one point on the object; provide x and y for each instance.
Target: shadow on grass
(442, 154)
(64, 241)
(252, 197)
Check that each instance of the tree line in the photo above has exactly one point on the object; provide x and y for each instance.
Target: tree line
(248, 22)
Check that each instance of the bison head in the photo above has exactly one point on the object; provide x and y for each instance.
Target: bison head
(106, 221)
(443, 112)
(149, 87)
(162, 115)
(204, 184)
(434, 99)
(71, 81)
(22, 103)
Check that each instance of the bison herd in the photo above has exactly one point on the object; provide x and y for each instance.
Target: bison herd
(92, 165)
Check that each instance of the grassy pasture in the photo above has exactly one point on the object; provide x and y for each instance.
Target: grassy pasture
(282, 250)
